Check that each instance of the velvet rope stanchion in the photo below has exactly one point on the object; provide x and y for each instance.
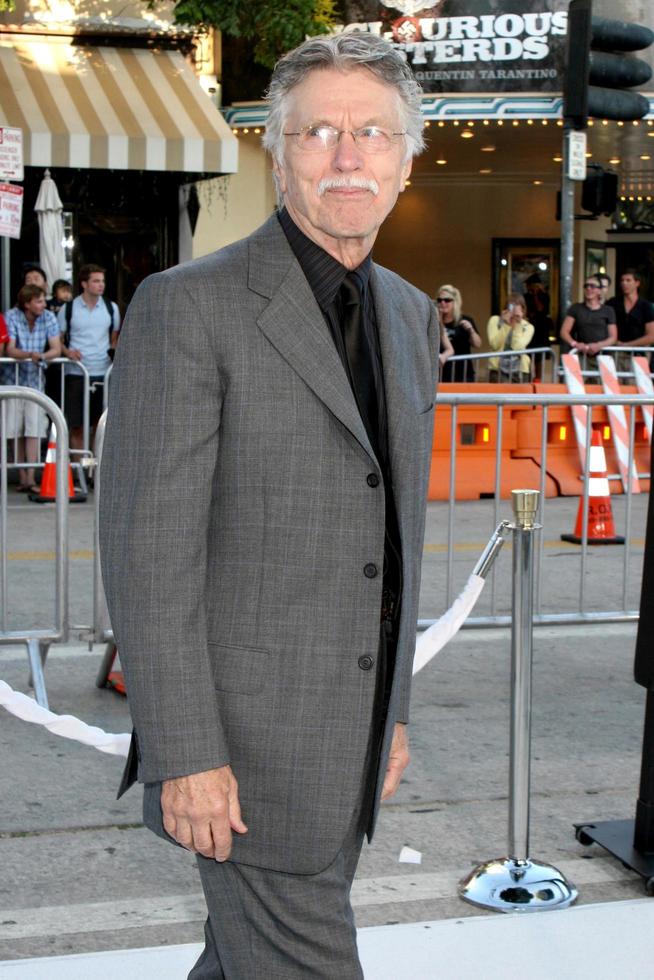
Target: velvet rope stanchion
(516, 882)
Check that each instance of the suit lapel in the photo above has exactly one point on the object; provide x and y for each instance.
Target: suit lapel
(295, 326)
(400, 410)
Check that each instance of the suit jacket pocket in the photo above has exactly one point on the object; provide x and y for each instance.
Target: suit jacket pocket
(240, 670)
(429, 408)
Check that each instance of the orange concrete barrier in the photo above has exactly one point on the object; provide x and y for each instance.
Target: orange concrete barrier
(476, 447)
(521, 452)
(562, 451)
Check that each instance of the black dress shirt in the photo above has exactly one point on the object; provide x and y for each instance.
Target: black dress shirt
(631, 324)
(325, 276)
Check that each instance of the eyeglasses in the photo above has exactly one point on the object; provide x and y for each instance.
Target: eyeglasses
(369, 139)
(592, 285)
(444, 299)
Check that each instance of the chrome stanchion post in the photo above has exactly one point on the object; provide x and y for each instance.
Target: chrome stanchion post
(517, 883)
(525, 507)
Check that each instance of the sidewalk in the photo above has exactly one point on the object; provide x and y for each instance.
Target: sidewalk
(599, 942)
(86, 891)
(82, 876)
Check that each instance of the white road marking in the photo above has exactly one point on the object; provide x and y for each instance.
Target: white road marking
(141, 912)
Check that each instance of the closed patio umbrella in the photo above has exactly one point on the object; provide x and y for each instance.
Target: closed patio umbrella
(51, 230)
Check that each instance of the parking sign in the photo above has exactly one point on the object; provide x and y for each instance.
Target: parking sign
(11, 153)
(11, 210)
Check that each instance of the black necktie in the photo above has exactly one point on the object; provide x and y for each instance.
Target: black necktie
(359, 358)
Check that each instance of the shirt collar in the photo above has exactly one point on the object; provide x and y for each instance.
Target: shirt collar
(89, 306)
(324, 273)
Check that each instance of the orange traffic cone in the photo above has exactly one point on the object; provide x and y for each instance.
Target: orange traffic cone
(116, 681)
(48, 490)
(108, 677)
(601, 529)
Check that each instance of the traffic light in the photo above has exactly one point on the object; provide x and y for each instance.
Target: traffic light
(599, 191)
(598, 73)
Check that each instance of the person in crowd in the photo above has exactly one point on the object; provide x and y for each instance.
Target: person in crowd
(461, 332)
(605, 279)
(89, 327)
(590, 326)
(445, 348)
(7, 372)
(33, 339)
(4, 336)
(510, 331)
(634, 319)
(270, 428)
(33, 275)
(538, 311)
(62, 292)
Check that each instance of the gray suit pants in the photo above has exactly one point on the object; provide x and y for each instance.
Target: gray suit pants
(271, 925)
(267, 925)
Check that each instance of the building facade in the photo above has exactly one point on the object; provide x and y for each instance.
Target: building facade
(481, 208)
(117, 102)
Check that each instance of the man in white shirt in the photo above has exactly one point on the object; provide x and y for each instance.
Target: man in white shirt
(89, 329)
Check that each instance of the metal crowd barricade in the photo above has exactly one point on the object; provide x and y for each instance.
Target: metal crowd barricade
(105, 389)
(102, 631)
(592, 371)
(37, 641)
(542, 361)
(84, 454)
(504, 401)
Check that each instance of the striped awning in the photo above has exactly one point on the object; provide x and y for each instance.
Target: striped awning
(111, 108)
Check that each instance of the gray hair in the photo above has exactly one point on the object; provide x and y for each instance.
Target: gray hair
(346, 52)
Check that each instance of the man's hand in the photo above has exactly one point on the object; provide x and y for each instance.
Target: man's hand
(398, 760)
(201, 810)
(74, 355)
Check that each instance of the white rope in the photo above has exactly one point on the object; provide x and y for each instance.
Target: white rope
(441, 632)
(65, 725)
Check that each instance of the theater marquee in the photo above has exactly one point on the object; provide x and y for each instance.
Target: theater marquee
(472, 46)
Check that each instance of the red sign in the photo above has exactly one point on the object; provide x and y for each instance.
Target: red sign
(11, 210)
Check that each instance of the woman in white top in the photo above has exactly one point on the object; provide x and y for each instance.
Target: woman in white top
(510, 331)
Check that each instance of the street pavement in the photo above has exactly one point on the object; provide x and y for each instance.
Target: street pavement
(80, 873)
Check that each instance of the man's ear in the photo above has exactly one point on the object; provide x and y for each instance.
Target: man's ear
(280, 174)
(406, 172)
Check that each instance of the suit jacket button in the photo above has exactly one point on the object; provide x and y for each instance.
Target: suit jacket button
(365, 663)
(370, 570)
(372, 480)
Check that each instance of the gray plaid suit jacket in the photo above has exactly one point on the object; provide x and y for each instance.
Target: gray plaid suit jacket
(236, 523)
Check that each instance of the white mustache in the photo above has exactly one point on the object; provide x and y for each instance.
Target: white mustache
(361, 183)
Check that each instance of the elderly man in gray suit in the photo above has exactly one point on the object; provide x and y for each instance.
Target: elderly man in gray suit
(263, 502)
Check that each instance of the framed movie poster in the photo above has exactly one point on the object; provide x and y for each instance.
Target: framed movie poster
(595, 258)
(531, 267)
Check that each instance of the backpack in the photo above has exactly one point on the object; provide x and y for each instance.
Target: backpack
(69, 317)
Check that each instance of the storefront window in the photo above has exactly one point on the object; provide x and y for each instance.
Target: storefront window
(530, 267)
